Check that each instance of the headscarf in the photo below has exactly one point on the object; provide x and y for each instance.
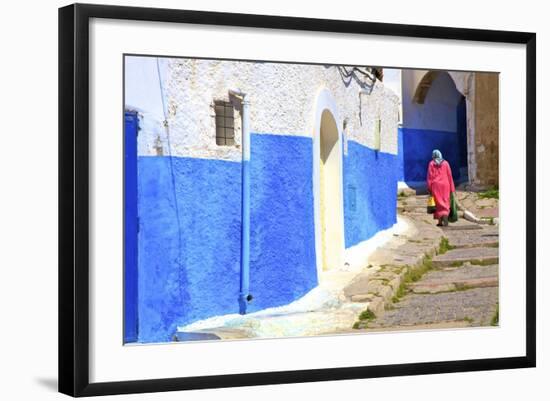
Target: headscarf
(437, 157)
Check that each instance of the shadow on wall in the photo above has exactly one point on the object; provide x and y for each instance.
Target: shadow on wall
(418, 145)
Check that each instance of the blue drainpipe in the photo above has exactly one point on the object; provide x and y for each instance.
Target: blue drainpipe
(244, 294)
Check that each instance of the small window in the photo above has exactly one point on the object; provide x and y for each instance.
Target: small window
(225, 127)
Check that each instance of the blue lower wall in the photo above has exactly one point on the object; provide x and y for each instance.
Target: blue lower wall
(189, 249)
(131, 123)
(189, 239)
(417, 151)
(370, 192)
(400, 156)
(282, 248)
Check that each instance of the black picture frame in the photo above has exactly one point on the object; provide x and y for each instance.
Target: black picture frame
(74, 194)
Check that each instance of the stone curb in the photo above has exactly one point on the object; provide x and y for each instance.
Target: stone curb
(378, 289)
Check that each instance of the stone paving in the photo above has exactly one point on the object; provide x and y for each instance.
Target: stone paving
(479, 206)
(394, 260)
(470, 204)
(458, 278)
(466, 239)
(475, 306)
(456, 288)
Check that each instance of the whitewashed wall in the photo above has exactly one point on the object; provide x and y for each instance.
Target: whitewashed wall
(282, 100)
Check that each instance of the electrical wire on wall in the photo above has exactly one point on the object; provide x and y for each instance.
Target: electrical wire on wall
(365, 78)
(179, 261)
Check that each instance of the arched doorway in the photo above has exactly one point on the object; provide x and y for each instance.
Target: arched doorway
(327, 159)
(330, 196)
(435, 119)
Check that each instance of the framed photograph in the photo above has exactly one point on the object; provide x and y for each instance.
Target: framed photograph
(251, 199)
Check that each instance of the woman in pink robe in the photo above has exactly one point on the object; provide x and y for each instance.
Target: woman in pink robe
(440, 185)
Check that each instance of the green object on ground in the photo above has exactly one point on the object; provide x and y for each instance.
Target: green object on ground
(453, 216)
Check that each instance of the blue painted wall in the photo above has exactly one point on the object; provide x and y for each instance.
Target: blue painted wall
(189, 242)
(400, 156)
(130, 227)
(282, 249)
(417, 151)
(190, 233)
(190, 221)
(370, 192)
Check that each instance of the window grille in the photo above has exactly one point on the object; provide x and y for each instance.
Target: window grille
(225, 123)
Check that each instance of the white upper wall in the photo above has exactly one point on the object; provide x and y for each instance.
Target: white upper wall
(282, 102)
(393, 81)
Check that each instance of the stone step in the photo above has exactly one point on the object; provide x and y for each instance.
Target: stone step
(473, 238)
(462, 225)
(456, 279)
(416, 210)
(475, 256)
(434, 287)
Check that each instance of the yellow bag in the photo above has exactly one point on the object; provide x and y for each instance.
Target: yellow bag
(431, 205)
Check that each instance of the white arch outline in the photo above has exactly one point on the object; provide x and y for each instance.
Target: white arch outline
(325, 101)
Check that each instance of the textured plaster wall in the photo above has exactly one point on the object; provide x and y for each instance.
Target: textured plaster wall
(189, 242)
(282, 101)
(190, 234)
(282, 237)
(370, 192)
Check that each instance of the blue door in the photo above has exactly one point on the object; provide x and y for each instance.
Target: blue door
(131, 227)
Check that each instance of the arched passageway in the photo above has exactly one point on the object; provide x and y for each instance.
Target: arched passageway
(436, 118)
